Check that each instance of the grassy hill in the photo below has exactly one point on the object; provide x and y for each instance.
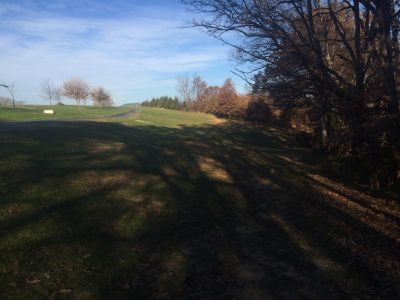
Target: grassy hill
(172, 205)
(35, 112)
(171, 118)
(126, 115)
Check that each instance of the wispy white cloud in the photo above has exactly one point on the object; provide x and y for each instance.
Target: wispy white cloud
(136, 56)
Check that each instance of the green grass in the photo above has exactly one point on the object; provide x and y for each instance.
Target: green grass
(182, 210)
(35, 113)
(173, 118)
(144, 115)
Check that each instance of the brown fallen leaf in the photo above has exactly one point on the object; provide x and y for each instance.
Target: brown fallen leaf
(33, 281)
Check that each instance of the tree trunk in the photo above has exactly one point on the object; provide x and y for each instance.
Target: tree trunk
(324, 128)
(385, 13)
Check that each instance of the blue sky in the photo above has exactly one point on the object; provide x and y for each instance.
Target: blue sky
(135, 49)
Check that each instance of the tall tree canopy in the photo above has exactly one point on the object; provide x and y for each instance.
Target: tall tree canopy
(340, 60)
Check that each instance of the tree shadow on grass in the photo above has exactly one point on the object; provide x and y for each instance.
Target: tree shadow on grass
(94, 210)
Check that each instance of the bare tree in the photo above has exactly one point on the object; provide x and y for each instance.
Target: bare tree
(47, 90)
(185, 90)
(77, 89)
(101, 97)
(191, 90)
(57, 94)
(337, 60)
(11, 89)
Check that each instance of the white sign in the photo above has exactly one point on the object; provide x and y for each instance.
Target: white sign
(49, 111)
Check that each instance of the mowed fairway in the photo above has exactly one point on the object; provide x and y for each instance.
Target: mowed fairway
(172, 205)
(62, 112)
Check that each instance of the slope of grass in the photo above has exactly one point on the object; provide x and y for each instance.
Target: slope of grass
(143, 116)
(173, 118)
(100, 210)
(31, 113)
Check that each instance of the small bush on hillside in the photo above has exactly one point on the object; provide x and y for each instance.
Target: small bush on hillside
(258, 110)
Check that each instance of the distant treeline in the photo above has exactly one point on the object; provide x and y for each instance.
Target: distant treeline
(164, 102)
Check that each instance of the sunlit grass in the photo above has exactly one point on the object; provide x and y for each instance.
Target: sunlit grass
(172, 118)
(143, 115)
(35, 113)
